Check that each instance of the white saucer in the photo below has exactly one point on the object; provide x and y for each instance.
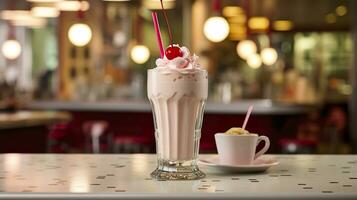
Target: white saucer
(259, 165)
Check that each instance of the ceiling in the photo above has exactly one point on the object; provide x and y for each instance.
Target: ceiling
(306, 14)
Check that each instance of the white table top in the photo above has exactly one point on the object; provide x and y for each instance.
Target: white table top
(114, 176)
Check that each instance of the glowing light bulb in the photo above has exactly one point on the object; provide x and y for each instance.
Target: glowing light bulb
(254, 61)
(140, 54)
(80, 34)
(72, 5)
(269, 56)
(245, 48)
(11, 49)
(216, 29)
(43, 11)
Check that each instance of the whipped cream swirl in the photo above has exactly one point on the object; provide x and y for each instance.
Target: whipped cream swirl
(186, 64)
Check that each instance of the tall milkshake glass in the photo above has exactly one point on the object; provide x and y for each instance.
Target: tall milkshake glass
(177, 95)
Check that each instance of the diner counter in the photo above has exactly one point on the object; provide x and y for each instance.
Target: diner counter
(18, 119)
(264, 106)
(123, 176)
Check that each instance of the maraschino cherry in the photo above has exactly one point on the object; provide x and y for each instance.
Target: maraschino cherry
(172, 52)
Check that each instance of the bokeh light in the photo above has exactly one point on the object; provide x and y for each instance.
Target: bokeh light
(140, 54)
(216, 29)
(80, 34)
(11, 49)
(245, 48)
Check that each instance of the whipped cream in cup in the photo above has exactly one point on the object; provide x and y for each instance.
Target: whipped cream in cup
(177, 90)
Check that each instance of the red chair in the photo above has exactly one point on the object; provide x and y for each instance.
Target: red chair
(58, 138)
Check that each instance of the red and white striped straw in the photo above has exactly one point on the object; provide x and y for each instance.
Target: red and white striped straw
(158, 34)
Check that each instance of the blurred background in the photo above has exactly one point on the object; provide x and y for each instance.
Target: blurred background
(73, 73)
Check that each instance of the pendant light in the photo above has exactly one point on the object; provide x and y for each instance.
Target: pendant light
(216, 28)
(246, 47)
(268, 54)
(11, 48)
(80, 34)
(139, 53)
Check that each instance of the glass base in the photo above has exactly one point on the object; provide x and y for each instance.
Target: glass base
(170, 170)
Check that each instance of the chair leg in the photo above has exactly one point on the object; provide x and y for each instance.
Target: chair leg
(95, 144)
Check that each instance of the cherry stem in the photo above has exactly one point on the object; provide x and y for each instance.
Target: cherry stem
(167, 22)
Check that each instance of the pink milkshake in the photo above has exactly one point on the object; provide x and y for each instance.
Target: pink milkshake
(177, 90)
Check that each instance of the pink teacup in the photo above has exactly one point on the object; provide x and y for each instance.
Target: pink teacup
(239, 149)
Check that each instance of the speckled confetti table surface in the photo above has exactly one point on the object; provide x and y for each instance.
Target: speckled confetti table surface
(124, 176)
